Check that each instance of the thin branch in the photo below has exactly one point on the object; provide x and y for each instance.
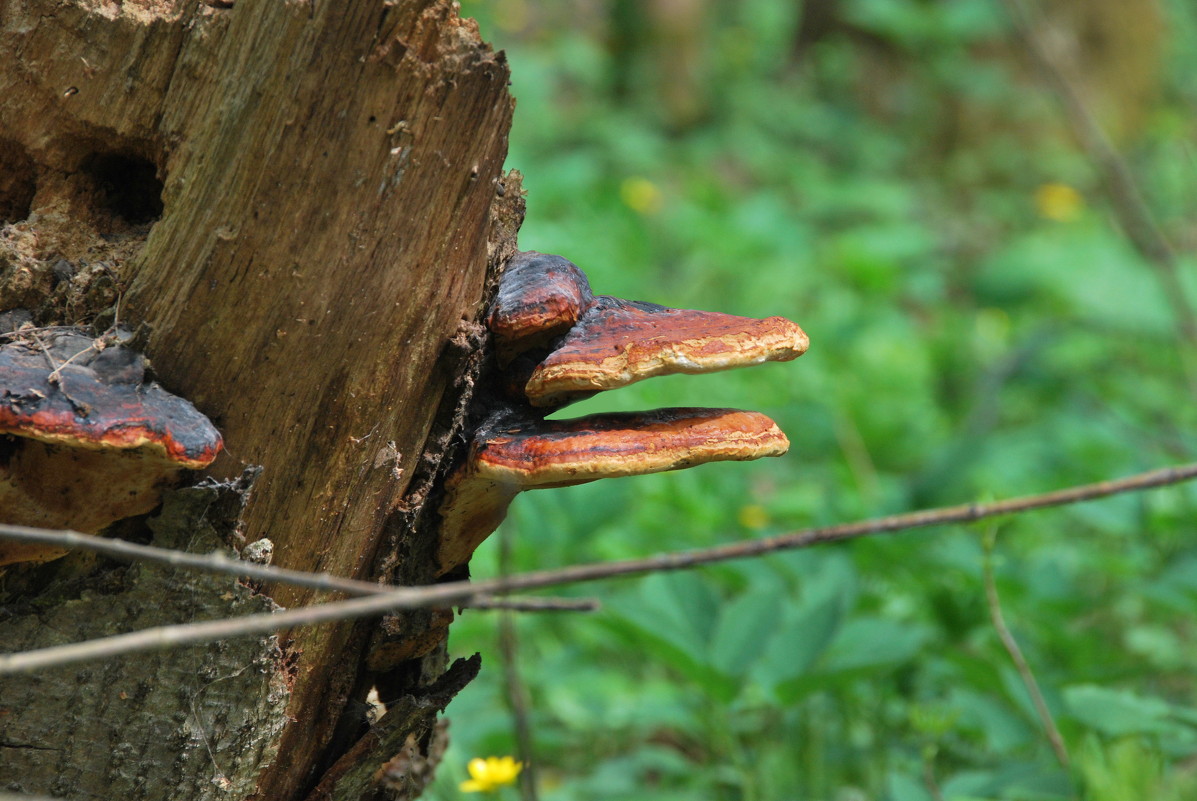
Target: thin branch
(1012, 648)
(467, 592)
(219, 562)
(929, 780)
(489, 603)
(517, 688)
(55, 375)
(1125, 197)
(215, 562)
(29, 331)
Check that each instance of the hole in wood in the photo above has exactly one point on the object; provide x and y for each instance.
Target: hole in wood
(18, 182)
(126, 187)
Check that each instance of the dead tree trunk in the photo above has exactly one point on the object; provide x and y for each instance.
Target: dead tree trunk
(302, 202)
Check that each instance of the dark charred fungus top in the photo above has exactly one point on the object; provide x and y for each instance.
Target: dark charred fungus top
(62, 390)
(556, 343)
(540, 297)
(85, 440)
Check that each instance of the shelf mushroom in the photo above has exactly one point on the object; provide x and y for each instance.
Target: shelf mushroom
(85, 440)
(507, 458)
(555, 343)
(540, 297)
(619, 342)
(561, 343)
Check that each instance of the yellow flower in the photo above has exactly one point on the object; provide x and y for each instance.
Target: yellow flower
(641, 195)
(753, 516)
(488, 775)
(1059, 202)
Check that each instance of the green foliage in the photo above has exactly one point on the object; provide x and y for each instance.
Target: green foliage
(967, 340)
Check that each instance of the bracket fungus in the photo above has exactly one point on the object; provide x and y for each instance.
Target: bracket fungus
(555, 343)
(85, 440)
(619, 342)
(540, 297)
(508, 457)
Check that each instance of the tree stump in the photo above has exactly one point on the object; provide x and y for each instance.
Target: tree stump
(301, 205)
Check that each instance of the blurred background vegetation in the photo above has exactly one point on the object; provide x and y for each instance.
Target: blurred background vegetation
(894, 176)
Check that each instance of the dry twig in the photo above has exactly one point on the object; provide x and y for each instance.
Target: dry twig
(218, 562)
(466, 592)
(490, 603)
(1012, 648)
(517, 688)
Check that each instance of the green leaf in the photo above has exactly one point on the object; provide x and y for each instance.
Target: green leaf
(906, 788)
(1026, 781)
(746, 626)
(1119, 712)
(1003, 730)
(802, 638)
(869, 642)
(672, 616)
(685, 607)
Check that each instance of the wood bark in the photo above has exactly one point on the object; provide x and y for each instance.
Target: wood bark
(301, 205)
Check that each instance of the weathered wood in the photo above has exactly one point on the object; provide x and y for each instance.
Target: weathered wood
(197, 722)
(296, 199)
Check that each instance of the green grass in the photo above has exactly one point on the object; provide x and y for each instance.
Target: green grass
(963, 346)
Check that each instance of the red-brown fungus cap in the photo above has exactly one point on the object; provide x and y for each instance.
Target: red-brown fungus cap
(507, 458)
(89, 443)
(558, 452)
(618, 342)
(98, 401)
(540, 297)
